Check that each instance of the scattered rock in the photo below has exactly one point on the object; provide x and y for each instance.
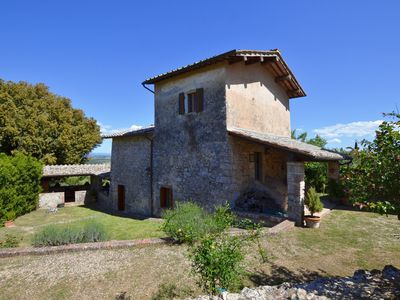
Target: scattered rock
(375, 284)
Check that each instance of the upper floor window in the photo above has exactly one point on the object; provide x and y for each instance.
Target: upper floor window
(192, 101)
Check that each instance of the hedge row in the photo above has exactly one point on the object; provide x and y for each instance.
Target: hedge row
(19, 185)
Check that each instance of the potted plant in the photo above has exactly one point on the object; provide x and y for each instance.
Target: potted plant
(10, 216)
(314, 205)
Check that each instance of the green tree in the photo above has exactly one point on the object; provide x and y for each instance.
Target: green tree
(37, 122)
(19, 185)
(373, 177)
(315, 172)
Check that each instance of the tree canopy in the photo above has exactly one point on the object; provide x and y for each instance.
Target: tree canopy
(37, 122)
(373, 178)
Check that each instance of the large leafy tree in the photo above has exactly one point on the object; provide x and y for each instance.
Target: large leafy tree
(37, 122)
(373, 178)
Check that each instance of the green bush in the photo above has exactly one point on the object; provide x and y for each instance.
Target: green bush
(223, 217)
(10, 241)
(167, 291)
(313, 201)
(19, 185)
(216, 259)
(188, 222)
(336, 189)
(316, 175)
(69, 234)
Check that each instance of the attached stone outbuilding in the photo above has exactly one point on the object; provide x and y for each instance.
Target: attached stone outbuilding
(51, 197)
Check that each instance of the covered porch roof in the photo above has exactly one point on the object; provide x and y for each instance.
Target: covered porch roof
(304, 151)
(75, 170)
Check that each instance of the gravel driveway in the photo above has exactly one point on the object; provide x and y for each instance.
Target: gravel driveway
(93, 274)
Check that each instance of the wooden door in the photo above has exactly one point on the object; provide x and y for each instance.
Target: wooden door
(121, 197)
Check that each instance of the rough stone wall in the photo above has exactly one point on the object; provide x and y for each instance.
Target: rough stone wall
(50, 199)
(191, 153)
(104, 201)
(130, 160)
(255, 101)
(273, 170)
(296, 185)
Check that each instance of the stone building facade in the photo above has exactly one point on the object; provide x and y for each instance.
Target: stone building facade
(222, 127)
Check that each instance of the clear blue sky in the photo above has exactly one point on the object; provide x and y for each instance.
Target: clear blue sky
(346, 54)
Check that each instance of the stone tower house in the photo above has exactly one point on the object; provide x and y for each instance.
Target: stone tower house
(222, 129)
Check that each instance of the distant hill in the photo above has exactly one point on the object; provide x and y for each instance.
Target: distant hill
(99, 158)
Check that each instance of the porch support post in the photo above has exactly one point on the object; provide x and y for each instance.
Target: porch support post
(333, 171)
(95, 186)
(295, 186)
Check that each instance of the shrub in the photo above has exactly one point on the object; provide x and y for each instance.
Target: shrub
(336, 189)
(313, 201)
(223, 217)
(19, 185)
(216, 260)
(168, 291)
(188, 222)
(10, 241)
(68, 234)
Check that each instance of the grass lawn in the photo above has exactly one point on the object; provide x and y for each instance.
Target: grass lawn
(346, 241)
(118, 227)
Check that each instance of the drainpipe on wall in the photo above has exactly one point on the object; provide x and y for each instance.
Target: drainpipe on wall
(151, 176)
(151, 163)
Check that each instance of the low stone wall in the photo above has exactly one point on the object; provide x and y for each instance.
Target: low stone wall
(363, 284)
(82, 247)
(51, 199)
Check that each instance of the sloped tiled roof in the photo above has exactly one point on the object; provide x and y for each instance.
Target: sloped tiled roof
(272, 58)
(75, 170)
(289, 144)
(127, 133)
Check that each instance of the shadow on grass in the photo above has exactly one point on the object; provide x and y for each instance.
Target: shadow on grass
(337, 205)
(280, 274)
(122, 214)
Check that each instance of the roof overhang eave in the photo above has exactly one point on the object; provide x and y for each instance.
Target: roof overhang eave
(306, 155)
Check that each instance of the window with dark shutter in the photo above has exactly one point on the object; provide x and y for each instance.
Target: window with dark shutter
(199, 100)
(181, 103)
(192, 101)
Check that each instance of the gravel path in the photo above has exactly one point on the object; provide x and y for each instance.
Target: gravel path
(92, 275)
